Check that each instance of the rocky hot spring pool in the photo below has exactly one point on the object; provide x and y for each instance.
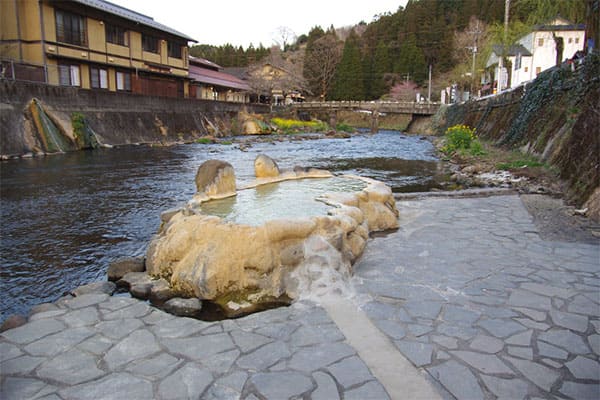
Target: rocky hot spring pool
(65, 217)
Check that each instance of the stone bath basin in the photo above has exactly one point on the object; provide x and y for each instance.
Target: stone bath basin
(240, 263)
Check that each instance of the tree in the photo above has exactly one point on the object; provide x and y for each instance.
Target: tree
(348, 82)
(284, 36)
(381, 64)
(320, 62)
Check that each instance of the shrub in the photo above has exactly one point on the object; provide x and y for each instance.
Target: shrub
(460, 138)
(293, 125)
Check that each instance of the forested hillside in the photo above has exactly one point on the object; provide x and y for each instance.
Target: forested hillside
(391, 55)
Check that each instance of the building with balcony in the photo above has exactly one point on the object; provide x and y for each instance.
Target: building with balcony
(209, 82)
(92, 44)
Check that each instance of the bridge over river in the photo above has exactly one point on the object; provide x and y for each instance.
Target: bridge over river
(417, 110)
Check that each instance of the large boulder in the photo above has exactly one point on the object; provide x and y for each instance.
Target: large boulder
(265, 167)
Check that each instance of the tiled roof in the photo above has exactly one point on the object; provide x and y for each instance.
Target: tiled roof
(132, 16)
(217, 78)
(204, 61)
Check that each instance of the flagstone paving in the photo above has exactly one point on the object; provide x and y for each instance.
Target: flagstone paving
(469, 292)
(466, 290)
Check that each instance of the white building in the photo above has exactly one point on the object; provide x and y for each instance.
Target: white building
(536, 51)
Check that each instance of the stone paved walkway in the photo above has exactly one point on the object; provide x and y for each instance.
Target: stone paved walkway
(466, 290)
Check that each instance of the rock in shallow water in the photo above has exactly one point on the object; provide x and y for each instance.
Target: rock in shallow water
(183, 307)
(117, 269)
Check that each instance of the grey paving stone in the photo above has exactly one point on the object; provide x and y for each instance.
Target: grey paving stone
(547, 350)
(393, 329)
(566, 339)
(248, 341)
(33, 331)
(20, 365)
(281, 385)
(233, 384)
(582, 305)
(501, 328)
(136, 310)
(521, 352)
(326, 387)
(58, 342)
(117, 303)
(263, 357)
(46, 314)
(570, 321)
(139, 344)
(418, 353)
(457, 379)
(197, 348)
(584, 368)
(313, 358)
(97, 344)
(82, 317)
(120, 328)
(486, 363)
(86, 300)
(156, 367)
(580, 391)
(522, 298)
(461, 332)
(369, 391)
(350, 372)
(308, 335)
(514, 389)
(179, 327)
(157, 316)
(24, 388)
(419, 330)
(423, 309)
(594, 341)
(540, 326)
(114, 386)
(535, 315)
(552, 363)
(188, 382)
(221, 363)
(281, 330)
(460, 315)
(72, 367)
(378, 310)
(8, 351)
(540, 375)
(547, 290)
(445, 341)
(520, 339)
(486, 344)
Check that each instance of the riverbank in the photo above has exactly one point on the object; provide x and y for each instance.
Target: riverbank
(466, 295)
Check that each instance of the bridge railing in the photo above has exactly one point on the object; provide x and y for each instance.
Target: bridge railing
(381, 106)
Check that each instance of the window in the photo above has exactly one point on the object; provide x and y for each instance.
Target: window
(98, 78)
(174, 50)
(570, 40)
(150, 43)
(116, 34)
(538, 70)
(540, 42)
(576, 40)
(70, 28)
(124, 81)
(68, 75)
(526, 69)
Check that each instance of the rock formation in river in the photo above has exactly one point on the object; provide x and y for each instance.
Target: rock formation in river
(205, 257)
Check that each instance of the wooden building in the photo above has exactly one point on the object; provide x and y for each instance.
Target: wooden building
(92, 44)
(209, 82)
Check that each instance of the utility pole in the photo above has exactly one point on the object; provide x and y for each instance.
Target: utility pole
(475, 33)
(429, 86)
(501, 61)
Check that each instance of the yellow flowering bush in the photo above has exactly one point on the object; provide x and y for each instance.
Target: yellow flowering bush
(462, 137)
(291, 125)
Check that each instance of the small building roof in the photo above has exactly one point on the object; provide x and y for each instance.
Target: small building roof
(512, 50)
(217, 78)
(133, 16)
(204, 62)
(559, 24)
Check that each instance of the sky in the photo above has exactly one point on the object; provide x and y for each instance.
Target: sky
(241, 22)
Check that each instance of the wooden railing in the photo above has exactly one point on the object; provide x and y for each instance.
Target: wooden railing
(424, 108)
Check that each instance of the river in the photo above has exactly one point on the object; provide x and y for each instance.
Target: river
(65, 217)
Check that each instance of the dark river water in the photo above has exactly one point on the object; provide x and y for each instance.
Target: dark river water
(65, 217)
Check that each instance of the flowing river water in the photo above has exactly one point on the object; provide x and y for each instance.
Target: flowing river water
(65, 217)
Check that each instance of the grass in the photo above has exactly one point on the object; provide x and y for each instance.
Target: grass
(294, 126)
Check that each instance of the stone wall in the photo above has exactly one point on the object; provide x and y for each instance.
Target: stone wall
(115, 118)
(555, 117)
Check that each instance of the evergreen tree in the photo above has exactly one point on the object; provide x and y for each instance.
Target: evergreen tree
(380, 66)
(348, 82)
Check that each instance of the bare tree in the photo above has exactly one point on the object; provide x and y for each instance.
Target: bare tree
(321, 62)
(284, 36)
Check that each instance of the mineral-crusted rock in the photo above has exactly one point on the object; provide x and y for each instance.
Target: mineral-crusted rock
(183, 307)
(204, 257)
(265, 167)
(215, 179)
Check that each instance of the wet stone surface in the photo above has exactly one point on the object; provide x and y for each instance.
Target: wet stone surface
(502, 313)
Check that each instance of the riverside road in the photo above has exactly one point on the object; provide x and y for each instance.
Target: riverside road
(465, 301)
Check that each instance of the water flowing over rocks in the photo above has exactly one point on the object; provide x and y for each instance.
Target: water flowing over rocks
(237, 266)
